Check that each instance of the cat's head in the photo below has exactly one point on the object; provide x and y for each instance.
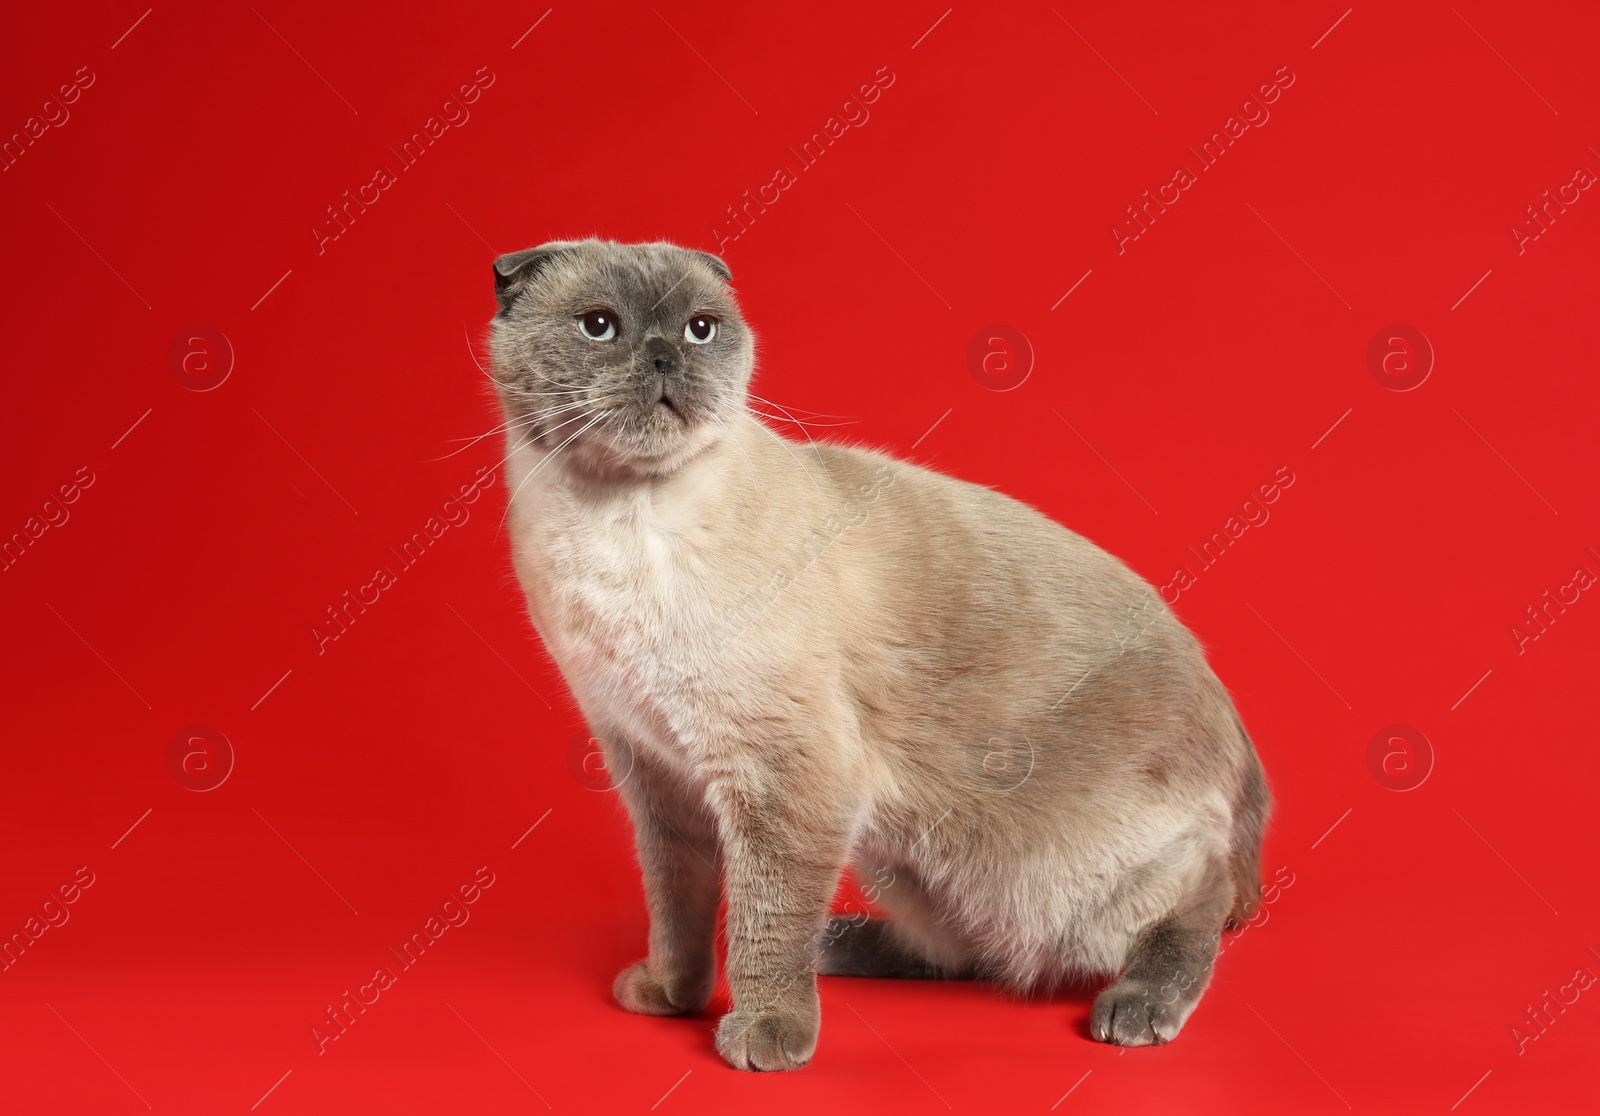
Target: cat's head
(635, 352)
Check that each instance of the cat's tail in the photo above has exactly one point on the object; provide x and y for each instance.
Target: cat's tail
(1250, 809)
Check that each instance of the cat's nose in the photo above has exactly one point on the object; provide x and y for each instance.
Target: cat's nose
(663, 356)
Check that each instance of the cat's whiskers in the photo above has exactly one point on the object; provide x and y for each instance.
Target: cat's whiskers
(784, 442)
(542, 394)
(500, 385)
(573, 405)
(473, 353)
(797, 422)
(557, 426)
(518, 421)
(802, 410)
(549, 457)
(804, 423)
(509, 388)
(734, 438)
(528, 423)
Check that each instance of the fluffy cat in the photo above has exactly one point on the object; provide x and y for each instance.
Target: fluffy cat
(801, 658)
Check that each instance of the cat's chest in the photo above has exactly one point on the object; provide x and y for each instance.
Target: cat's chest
(626, 603)
(621, 589)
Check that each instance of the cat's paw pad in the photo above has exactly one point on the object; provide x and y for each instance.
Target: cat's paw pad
(1130, 1014)
(767, 1040)
(640, 991)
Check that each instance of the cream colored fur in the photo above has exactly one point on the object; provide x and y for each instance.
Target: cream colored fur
(806, 657)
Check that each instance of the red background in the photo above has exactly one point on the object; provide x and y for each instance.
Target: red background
(1222, 345)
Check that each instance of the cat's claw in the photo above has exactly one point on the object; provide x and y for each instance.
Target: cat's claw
(1130, 1014)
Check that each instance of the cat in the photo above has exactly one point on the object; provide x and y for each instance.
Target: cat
(800, 658)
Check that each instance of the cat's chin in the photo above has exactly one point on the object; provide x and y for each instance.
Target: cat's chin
(654, 453)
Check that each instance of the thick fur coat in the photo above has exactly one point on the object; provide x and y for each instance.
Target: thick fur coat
(801, 658)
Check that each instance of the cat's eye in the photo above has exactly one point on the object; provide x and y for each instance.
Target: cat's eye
(599, 325)
(700, 330)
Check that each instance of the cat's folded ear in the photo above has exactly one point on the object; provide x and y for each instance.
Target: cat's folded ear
(515, 270)
(716, 264)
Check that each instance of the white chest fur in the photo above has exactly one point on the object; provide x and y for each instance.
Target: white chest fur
(619, 590)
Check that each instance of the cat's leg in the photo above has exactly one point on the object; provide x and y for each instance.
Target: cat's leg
(1167, 969)
(785, 843)
(869, 947)
(677, 849)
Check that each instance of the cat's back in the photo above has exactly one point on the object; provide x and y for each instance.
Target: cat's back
(984, 553)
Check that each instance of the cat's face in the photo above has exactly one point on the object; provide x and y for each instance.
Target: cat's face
(632, 355)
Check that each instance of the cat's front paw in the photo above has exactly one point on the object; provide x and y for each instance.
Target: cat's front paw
(639, 990)
(1130, 1014)
(781, 1039)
